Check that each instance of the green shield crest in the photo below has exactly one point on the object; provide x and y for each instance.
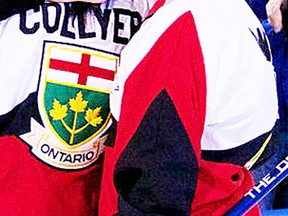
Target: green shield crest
(75, 110)
(75, 114)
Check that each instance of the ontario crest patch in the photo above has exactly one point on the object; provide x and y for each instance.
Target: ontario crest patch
(73, 101)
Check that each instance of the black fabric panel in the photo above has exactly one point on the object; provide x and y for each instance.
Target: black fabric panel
(17, 121)
(128, 210)
(243, 153)
(157, 172)
(11, 7)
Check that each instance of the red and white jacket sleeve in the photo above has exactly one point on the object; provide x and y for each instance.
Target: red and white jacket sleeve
(155, 167)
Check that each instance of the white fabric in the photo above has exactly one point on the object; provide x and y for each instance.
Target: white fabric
(241, 86)
(20, 67)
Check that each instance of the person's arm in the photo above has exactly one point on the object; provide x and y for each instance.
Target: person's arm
(9, 8)
(274, 29)
(273, 10)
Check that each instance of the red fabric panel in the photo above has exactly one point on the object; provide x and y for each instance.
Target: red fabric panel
(175, 63)
(31, 188)
(217, 192)
(156, 6)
